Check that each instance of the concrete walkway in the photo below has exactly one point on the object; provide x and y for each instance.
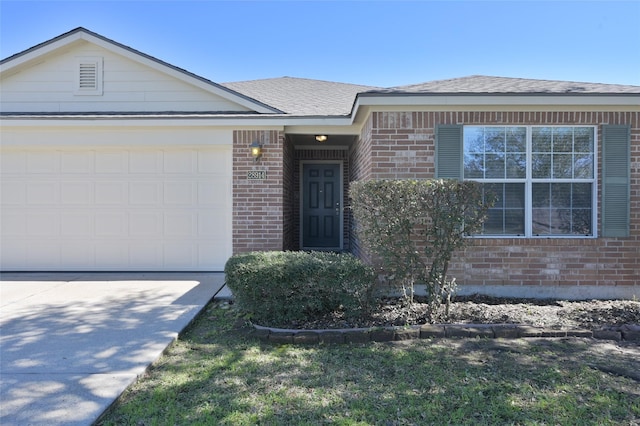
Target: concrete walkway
(70, 343)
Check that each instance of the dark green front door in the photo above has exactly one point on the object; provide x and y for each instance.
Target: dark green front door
(321, 206)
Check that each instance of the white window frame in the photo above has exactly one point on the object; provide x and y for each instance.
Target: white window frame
(529, 181)
(95, 61)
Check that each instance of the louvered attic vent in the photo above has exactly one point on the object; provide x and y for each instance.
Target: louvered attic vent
(89, 76)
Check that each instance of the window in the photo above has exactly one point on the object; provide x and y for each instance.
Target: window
(88, 76)
(543, 178)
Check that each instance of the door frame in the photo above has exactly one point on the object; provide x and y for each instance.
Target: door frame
(340, 164)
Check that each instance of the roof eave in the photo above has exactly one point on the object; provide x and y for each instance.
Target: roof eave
(474, 99)
(173, 119)
(78, 34)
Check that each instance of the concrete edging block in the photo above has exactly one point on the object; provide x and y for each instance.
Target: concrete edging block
(431, 330)
(426, 331)
(468, 331)
(528, 331)
(306, 337)
(407, 334)
(631, 335)
(505, 331)
(329, 337)
(607, 335)
(580, 333)
(382, 335)
(281, 338)
(357, 336)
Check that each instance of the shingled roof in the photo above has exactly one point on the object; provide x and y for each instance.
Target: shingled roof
(301, 96)
(482, 84)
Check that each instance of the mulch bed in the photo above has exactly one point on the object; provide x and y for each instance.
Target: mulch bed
(550, 314)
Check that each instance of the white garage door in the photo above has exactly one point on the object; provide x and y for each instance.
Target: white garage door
(152, 209)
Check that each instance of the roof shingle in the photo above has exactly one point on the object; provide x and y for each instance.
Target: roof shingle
(482, 84)
(305, 97)
(301, 96)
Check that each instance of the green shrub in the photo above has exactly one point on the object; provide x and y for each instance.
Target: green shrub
(282, 287)
(415, 226)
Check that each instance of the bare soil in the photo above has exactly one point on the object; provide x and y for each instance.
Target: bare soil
(554, 314)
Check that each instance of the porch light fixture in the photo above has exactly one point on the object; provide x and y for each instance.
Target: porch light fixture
(321, 138)
(256, 150)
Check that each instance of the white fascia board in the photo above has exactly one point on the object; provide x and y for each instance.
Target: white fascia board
(261, 122)
(47, 48)
(324, 130)
(495, 100)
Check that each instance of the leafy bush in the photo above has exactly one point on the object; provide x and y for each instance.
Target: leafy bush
(281, 287)
(415, 226)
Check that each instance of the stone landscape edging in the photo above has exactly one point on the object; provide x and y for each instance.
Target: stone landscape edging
(426, 331)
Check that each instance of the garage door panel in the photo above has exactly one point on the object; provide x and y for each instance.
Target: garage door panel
(145, 193)
(14, 253)
(13, 225)
(180, 193)
(111, 162)
(45, 254)
(76, 193)
(14, 193)
(80, 254)
(180, 224)
(147, 161)
(212, 228)
(43, 192)
(145, 224)
(13, 162)
(111, 193)
(77, 162)
(215, 192)
(77, 224)
(111, 254)
(44, 223)
(43, 162)
(180, 162)
(103, 209)
(179, 255)
(209, 253)
(146, 255)
(111, 224)
(212, 163)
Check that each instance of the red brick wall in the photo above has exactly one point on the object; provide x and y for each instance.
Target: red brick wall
(258, 205)
(361, 162)
(360, 154)
(290, 197)
(401, 145)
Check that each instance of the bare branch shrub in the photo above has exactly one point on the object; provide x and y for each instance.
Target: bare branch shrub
(414, 227)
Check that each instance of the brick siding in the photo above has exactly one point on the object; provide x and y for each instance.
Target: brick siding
(258, 205)
(401, 145)
(290, 197)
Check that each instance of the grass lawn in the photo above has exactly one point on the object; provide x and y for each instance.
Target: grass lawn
(217, 374)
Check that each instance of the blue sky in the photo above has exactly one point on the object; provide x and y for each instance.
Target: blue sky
(378, 43)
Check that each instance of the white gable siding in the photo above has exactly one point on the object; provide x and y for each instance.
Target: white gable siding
(128, 86)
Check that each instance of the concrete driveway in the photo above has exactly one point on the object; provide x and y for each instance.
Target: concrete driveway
(70, 343)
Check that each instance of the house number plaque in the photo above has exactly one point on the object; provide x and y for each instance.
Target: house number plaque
(257, 175)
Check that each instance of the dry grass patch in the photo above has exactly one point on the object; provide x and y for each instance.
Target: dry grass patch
(217, 374)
